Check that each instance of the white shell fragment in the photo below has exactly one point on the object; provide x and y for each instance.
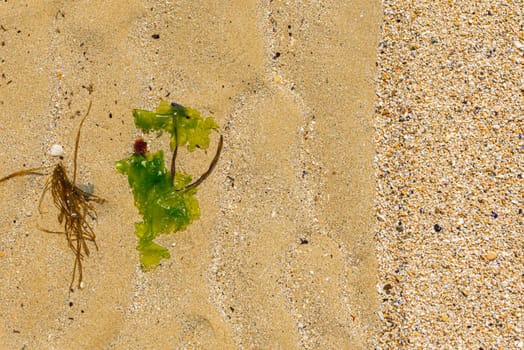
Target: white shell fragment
(56, 150)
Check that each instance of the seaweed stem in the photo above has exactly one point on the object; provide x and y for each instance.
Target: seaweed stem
(173, 158)
(78, 140)
(32, 171)
(211, 166)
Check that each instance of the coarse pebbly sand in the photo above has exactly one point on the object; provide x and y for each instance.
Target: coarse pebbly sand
(325, 225)
(449, 167)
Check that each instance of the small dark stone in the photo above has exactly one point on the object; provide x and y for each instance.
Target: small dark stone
(437, 228)
(494, 214)
(155, 36)
(304, 241)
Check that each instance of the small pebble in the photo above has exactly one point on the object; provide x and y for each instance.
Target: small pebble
(88, 188)
(56, 150)
(491, 255)
(437, 228)
(381, 315)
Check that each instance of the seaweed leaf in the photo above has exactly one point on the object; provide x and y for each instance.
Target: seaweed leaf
(192, 130)
(165, 200)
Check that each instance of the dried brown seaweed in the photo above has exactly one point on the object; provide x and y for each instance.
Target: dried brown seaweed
(33, 171)
(75, 210)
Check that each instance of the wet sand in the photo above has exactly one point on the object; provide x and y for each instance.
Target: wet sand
(283, 256)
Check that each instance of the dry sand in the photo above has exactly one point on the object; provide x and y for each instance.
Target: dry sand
(450, 162)
(283, 256)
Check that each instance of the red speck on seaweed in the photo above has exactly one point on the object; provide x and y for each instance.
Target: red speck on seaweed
(140, 146)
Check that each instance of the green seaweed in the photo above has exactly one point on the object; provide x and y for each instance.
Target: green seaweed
(192, 130)
(165, 199)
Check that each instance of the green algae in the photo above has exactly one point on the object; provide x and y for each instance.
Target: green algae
(165, 199)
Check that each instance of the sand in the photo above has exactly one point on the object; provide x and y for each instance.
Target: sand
(283, 256)
(449, 141)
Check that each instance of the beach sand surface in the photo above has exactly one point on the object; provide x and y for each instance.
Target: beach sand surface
(282, 257)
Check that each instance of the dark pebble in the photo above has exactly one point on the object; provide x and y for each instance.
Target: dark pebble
(437, 228)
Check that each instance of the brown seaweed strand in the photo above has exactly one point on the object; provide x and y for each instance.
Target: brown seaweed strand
(78, 140)
(211, 166)
(32, 171)
(74, 209)
(173, 158)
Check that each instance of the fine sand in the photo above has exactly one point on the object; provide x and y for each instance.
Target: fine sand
(283, 256)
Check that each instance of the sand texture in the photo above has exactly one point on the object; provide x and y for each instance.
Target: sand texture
(283, 256)
(450, 146)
